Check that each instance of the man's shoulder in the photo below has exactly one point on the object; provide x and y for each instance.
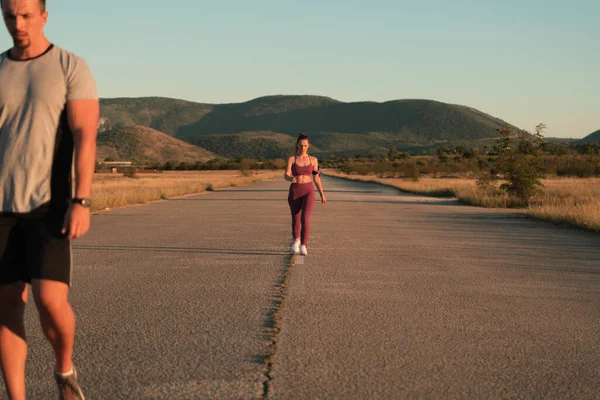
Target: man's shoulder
(72, 63)
(67, 55)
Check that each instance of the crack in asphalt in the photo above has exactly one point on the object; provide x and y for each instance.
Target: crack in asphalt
(273, 323)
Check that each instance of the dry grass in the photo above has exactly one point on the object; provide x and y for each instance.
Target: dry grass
(570, 201)
(426, 186)
(115, 190)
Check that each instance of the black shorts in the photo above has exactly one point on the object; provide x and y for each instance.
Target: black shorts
(33, 247)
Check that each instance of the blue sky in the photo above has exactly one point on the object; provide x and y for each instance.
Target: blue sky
(526, 62)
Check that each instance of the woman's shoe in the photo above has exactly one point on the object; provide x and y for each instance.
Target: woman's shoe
(303, 251)
(296, 247)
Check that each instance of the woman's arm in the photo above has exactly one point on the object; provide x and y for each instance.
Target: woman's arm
(288, 171)
(317, 180)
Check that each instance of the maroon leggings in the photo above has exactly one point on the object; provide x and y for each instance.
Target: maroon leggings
(301, 200)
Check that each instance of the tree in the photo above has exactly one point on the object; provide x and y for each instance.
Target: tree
(471, 153)
(591, 148)
(279, 163)
(525, 146)
(460, 150)
(245, 166)
(414, 172)
(392, 153)
(442, 154)
(522, 172)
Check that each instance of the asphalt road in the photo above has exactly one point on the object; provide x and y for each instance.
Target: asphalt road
(400, 297)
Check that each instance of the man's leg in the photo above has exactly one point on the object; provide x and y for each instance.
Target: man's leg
(57, 319)
(13, 347)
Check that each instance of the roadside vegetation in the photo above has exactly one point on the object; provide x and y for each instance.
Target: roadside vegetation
(556, 183)
(119, 190)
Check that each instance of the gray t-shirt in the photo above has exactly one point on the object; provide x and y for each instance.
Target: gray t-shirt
(36, 143)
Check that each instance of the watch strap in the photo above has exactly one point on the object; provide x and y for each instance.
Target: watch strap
(84, 201)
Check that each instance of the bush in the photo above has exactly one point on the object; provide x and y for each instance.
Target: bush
(521, 164)
(414, 173)
(245, 165)
(485, 182)
(130, 172)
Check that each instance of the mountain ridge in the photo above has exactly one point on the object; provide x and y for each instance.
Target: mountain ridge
(592, 137)
(142, 144)
(333, 125)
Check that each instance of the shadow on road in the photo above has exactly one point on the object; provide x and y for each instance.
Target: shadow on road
(286, 190)
(183, 250)
(432, 201)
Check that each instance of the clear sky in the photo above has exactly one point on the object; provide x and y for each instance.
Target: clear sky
(524, 61)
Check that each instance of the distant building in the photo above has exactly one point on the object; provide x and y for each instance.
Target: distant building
(112, 166)
(115, 163)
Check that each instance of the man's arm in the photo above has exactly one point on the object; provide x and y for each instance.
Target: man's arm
(83, 118)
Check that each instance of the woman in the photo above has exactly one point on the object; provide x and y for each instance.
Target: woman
(301, 196)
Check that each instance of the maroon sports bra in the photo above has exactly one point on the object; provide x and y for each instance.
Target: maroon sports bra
(302, 169)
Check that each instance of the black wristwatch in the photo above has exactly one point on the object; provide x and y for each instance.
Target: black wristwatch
(84, 201)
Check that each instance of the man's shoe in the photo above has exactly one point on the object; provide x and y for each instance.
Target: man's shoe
(68, 388)
(296, 247)
(303, 251)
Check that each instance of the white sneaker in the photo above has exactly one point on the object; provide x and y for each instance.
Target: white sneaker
(303, 251)
(296, 247)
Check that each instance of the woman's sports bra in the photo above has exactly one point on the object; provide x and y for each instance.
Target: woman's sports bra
(302, 169)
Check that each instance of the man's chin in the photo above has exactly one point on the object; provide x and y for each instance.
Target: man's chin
(22, 44)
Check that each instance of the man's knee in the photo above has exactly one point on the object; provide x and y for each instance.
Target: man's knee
(13, 298)
(50, 297)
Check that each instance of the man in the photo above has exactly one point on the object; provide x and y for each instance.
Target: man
(48, 109)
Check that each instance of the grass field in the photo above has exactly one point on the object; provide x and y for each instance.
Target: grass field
(569, 201)
(115, 190)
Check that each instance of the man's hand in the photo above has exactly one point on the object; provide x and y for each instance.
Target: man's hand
(77, 221)
(323, 199)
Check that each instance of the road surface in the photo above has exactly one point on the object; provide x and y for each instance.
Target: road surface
(400, 296)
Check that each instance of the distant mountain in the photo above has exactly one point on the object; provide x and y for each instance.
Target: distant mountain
(261, 127)
(250, 144)
(163, 114)
(592, 137)
(146, 145)
(559, 140)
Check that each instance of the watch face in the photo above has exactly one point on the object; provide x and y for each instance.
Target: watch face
(84, 202)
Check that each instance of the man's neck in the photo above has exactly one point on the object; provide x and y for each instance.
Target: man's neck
(31, 52)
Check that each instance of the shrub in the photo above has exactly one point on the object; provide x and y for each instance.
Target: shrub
(129, 172)
(414, 173)
(485, 182)
(522, 169)
(245, 166)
